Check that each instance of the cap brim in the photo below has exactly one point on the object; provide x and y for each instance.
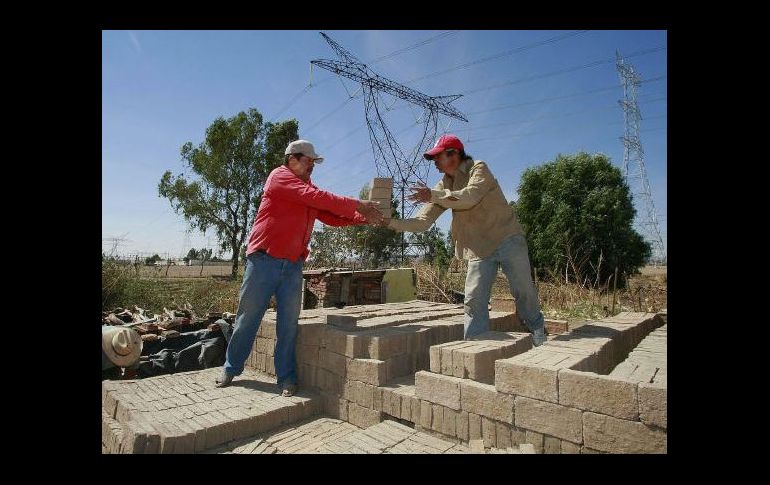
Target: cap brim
(433, 152)
(318, 160)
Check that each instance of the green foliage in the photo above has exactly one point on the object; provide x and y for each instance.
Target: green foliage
(577, 213)
(231, 167)
(435, 247)
(152, 260)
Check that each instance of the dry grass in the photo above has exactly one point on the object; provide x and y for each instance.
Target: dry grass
(645, 292)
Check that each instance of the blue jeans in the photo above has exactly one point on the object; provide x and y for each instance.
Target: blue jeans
(513, 257)
(265, 276)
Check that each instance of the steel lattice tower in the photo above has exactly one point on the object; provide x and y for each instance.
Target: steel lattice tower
(633, 160)
(406, 167)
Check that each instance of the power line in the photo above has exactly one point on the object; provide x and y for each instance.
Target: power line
(565, 70)
(506, 53)
(565, 96)
(304, 90)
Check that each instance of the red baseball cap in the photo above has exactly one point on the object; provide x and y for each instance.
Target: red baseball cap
(444, 142)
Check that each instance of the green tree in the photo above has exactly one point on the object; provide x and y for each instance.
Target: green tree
(577, 213)
(434, 246)
(191, 254)
(152, 260)
(231, 167)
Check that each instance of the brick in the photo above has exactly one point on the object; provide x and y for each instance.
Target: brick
(462, 425)
(598, 393)
(488, 432)
(653, 404)
(371, 371)
(613, 435)
(524, 375)
(382, 182)
(439, 389)
(364, 394)
(547, 418)
(450, 422)
(437, 418)
(333, 362)
(503, 434)
(380, 193)
(310, 334)
(553, 326)
(503, 321)
(334, 340)
(395, 405)
(362, 417)
(267, 329)
(476, 447)
(398, 366)
(434, 355)
(518, 436)
(484, 399)
(535, 440)
(568, 448)
(474, 426)
(346, 322)
(551, 445)
(426, 411)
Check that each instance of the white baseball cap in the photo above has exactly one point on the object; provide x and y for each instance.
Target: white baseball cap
(304, 147)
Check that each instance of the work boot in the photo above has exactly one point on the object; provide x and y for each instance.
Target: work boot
(224, 380)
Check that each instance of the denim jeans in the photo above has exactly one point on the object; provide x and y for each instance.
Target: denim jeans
(512, 256)
(265, 276)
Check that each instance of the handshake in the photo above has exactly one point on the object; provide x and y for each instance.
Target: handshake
(371, 211)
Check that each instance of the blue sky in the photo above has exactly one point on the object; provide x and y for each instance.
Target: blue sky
(161, 89)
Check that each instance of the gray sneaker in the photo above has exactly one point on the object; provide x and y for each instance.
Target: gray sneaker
(289, 390)
(225, 380)
(538, 337)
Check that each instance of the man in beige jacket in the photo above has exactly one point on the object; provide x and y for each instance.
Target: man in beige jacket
(485, 231)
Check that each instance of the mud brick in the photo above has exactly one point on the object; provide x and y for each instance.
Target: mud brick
(439, 389)
(598, 393)
(335, 363)
(346, 322)
(548, 418)
(483, 399)
(613, 435)
(371, 371)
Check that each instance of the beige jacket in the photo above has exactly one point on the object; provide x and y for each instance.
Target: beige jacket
(481, 217)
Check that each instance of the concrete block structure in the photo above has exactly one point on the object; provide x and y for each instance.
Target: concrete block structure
(399, 378)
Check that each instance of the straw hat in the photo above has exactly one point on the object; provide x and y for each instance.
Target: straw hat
(121, 345)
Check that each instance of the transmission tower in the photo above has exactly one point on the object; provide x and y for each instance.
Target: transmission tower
(116, 242)
(406, 167)
(633, 160)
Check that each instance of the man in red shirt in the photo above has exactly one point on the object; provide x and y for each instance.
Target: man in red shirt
(275, 254)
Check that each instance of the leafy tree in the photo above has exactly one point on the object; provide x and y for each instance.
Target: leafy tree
(191, 254)
(152, 260)
(231, 167)
(434, 245)
(578, 214)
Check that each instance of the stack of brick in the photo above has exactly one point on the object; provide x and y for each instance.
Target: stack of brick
(382, 191)
(457, 398)
(562, 391)
(539, 397)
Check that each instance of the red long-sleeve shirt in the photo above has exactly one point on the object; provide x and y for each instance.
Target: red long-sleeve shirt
(288, 210)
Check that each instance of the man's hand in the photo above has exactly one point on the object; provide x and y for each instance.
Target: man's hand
(420, 193)
(370, 210)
